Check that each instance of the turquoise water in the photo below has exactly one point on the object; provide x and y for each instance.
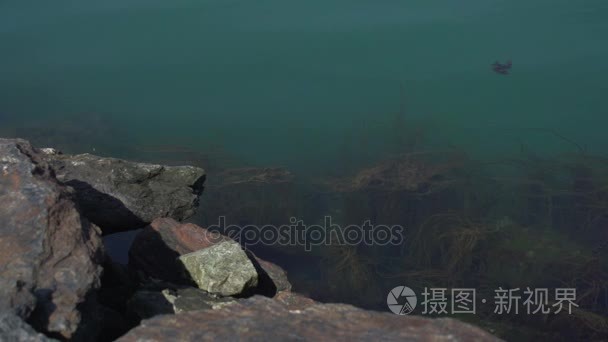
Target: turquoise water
(294, 82)
(324, 87)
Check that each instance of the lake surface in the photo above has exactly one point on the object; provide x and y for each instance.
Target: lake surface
(320, 87)
(287, 82)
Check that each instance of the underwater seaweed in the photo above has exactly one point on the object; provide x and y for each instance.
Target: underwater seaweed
(347, 268)
(406, 172)
(450, 242)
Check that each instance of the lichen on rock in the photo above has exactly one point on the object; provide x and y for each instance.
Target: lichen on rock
(223, 269)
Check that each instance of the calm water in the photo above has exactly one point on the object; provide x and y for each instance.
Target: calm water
(286, 82)
(303, 84)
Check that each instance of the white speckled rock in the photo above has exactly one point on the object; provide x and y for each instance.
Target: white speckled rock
(222, 269)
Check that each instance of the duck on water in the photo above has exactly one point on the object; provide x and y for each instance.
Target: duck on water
(503, 69)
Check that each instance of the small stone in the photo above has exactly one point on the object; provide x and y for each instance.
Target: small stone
(50, 151)
(222, 269)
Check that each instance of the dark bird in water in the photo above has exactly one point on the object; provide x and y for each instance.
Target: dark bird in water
(502, 69)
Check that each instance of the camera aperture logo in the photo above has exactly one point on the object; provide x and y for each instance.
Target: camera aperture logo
(402, 300)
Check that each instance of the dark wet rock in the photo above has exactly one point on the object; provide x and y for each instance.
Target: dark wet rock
(14, 329)
(272, 278)
(113, 324)
(263, 319)
(223, 269)
(49, 253)
(117, 245)
(119, 195)
(117, 286)
(169, 239)
(149, 303)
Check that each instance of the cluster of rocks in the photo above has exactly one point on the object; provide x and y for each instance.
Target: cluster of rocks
(182, 282)
(185, 267)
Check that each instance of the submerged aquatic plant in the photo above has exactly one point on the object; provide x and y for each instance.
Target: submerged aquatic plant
(407, 172)
(450, 242)
(349, 269)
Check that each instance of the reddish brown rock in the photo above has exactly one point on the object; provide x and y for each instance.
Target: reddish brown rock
(294, 301)
(49, 253)
(185, 237)
(156, 248)
(264, 319)
(275, 273)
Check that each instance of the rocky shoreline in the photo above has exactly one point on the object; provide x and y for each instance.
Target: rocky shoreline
(182, 282)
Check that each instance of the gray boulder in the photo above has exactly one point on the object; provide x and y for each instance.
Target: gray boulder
(14, 329)
(119, 195)
(49, 254)
(223, 269)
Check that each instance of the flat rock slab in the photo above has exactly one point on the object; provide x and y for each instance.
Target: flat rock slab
(191, 299)
(264, 319)
(49, 254)
(119, 195)
(147, 303)
(223, 269)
